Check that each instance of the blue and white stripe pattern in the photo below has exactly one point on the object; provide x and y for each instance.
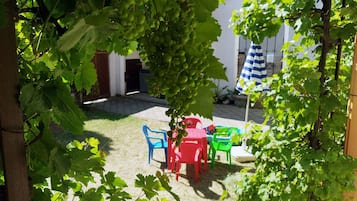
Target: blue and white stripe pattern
(253, 71)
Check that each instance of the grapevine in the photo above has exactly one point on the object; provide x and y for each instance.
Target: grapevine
(177, 60)
(56, 41)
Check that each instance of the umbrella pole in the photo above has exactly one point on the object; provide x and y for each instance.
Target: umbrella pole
(244, 141)
(247, 109)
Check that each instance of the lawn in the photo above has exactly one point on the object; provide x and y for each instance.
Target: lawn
(123, 141)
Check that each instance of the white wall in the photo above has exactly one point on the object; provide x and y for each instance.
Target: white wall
(226, 49)
(117, 67)
(116, 74)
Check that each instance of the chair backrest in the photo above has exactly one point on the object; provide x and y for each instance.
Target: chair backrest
(192, 122)
(189, 150)
(149, 132)
(221, 143)
(145, 129)
(223, 131)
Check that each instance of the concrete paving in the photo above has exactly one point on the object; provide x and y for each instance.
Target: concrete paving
(144, 106)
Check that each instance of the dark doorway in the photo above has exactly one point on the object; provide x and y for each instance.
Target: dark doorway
(132, 70)
(101, 62)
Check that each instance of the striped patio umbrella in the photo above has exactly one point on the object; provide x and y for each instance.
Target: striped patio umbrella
(254, 70)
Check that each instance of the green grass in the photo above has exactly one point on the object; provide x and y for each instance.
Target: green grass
(108, 128)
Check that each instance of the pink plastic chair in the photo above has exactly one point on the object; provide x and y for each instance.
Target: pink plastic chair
(189, 152)
(192, 122)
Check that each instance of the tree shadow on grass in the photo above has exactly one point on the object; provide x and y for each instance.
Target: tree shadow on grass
(219, 174)
(64, 137)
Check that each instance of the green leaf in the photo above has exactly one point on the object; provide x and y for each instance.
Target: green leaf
(96, 3)
(160, 5)
(65, 111)
(149, 184)
(115, 181)
(212, 35)
(164, 180)
(203, 9)
(59, 162)
(94, 142)
(98, 18)
(32, 100)
(203, 105)
(92, 195)
(73, 35)
(85, 77)
(215, 68)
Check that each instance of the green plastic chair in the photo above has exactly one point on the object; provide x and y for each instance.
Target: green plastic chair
(220, 144)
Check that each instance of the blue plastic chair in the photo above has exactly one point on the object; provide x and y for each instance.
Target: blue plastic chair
(156, 139)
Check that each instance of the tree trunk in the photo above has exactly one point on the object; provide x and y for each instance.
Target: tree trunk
(351, 131)
(11, 120)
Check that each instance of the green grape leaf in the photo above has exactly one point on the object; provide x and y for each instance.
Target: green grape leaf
(85, 77)
(96, 3)
(32, 100)
(203, 104)
(215, 68)
(65, 111)
(148, 184)
(92, 195)
(203, 9)
(212, 35)
(312, 85)
(210, 5)
(115, 181)
(164, 183)
(58, 9)
(160, 5)
(41, 194)
(59, 162)
(98, 18)
(73, 35)
(94, 142)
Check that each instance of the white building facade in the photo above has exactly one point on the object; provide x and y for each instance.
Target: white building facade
(228, 49)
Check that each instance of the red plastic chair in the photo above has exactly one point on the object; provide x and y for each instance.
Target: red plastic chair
(192, 122)
(189, 152)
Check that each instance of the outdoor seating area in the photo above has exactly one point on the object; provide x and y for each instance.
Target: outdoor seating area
(197, 148)
(123, 123)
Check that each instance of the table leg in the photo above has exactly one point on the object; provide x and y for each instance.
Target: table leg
(205, 156)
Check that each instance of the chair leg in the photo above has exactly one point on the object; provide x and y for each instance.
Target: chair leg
(197, 170)
(149, 155)
(213, 158)
(166, 158)
(230, 158)
(177, 166)
(209, 152)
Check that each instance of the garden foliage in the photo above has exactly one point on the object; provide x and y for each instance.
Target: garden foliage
(300, 157)
(56, 41)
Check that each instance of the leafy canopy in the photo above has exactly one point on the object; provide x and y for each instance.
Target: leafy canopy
(56, 41)
(300, 157)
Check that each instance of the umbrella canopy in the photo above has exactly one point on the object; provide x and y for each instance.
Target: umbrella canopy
(253, 72)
